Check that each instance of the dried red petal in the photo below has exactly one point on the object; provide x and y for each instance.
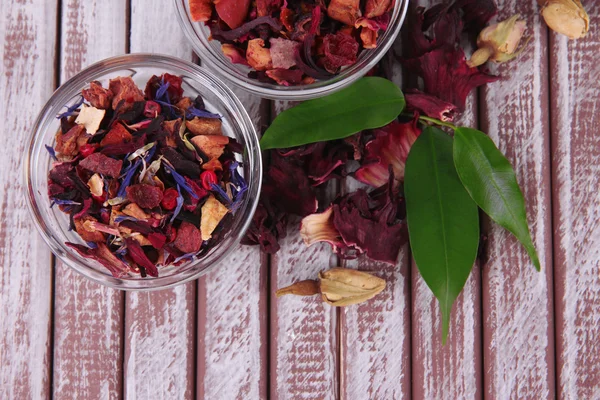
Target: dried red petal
(389, 147)
(267, 7)
(157, 240)
(97, 96)
(234, 54)
(104, 256)
(477, 13)
(188, 238)
(98, 162)
(145, 196)
(288, 187)
(430, 105)
(339, 50)
(169, 200)
(267, 227)
(174, 90)
(286, 77)
(447, 76)
(135, 251)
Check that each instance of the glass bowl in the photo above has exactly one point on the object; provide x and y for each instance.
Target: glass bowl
(53, 224)
(211, 54)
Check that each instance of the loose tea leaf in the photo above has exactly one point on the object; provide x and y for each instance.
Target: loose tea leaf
(443, 220)
(490, 180)
(367, 104)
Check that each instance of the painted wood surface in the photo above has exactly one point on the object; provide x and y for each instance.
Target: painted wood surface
(575, 166)
(228, 337)
(518, 335)
(27, 81)
(88, 317)
(304, 331)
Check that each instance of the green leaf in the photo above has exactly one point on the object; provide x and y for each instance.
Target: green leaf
(491, 181)
(367, 104)
(443, 220)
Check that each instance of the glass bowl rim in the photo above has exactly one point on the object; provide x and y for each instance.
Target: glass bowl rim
(300, 92)
(141, 60)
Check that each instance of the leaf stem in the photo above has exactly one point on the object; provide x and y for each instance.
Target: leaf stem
(437, 122)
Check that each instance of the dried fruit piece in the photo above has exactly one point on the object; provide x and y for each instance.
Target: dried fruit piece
(89, 235)
(90, 118)
(339, 287)
(376, 8)
(188, 238)
(201, 10)
(232, 12)
(66, 144)
(96, 185)
(212, 146)
(258, 56)
(234, 54)
(117, 135)
(204, 126)
(102, 164)
(282, 52)
(97, 96)
(566, 16)
(145, 196)
(124, 89)
(499, 42)
(212, 214)
(320, 228)
(345, 11)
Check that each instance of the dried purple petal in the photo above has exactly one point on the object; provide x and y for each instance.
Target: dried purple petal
(71, 109)
(236, 33)
(194, 112)
(136, 252)
(51, 151)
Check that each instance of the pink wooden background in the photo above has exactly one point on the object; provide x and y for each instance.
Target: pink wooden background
(516, 333)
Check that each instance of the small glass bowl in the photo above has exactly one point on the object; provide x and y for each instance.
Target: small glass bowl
(53, 224)
(210, 52)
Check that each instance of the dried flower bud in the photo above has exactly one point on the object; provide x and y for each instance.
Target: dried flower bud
(566, 16)
(339, 287)
(499, 42)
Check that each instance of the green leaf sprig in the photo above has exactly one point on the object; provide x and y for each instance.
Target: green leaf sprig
(369, 103)
(446, 180)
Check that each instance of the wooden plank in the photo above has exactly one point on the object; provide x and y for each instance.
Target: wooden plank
(28, 30)
(375, 337)
(453, 371)
(576, 154)
(518, 339)
(232, 313)
(159, 326)
(88, 317)
(304, 352)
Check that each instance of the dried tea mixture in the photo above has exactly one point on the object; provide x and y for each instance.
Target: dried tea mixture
(292, 42)
(147, 177)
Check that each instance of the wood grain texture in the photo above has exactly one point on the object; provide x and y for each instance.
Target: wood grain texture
(517, 300)
(304, 331)
(88, 317)
(27, 82)
(232, 313)
(159, 326)
(576, 161)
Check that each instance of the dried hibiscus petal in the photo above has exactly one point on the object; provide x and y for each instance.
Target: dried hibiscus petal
(389, 147)
(145, 196)
(102, 164)
(135, 251)
(339, 50)
(104, 256)
(285, 77)
(430, 106)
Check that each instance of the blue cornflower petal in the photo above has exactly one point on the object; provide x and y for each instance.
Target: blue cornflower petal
(122, 218)
(52, 152)
(195, 112)
(162, 90)
(91, 245)
(128, 176)
(179, 205)
(71, 109)
(221, 194)
(65, 202)
(181, 181)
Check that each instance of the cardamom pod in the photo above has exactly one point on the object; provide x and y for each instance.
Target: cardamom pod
(566, 16)
(339, 287)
